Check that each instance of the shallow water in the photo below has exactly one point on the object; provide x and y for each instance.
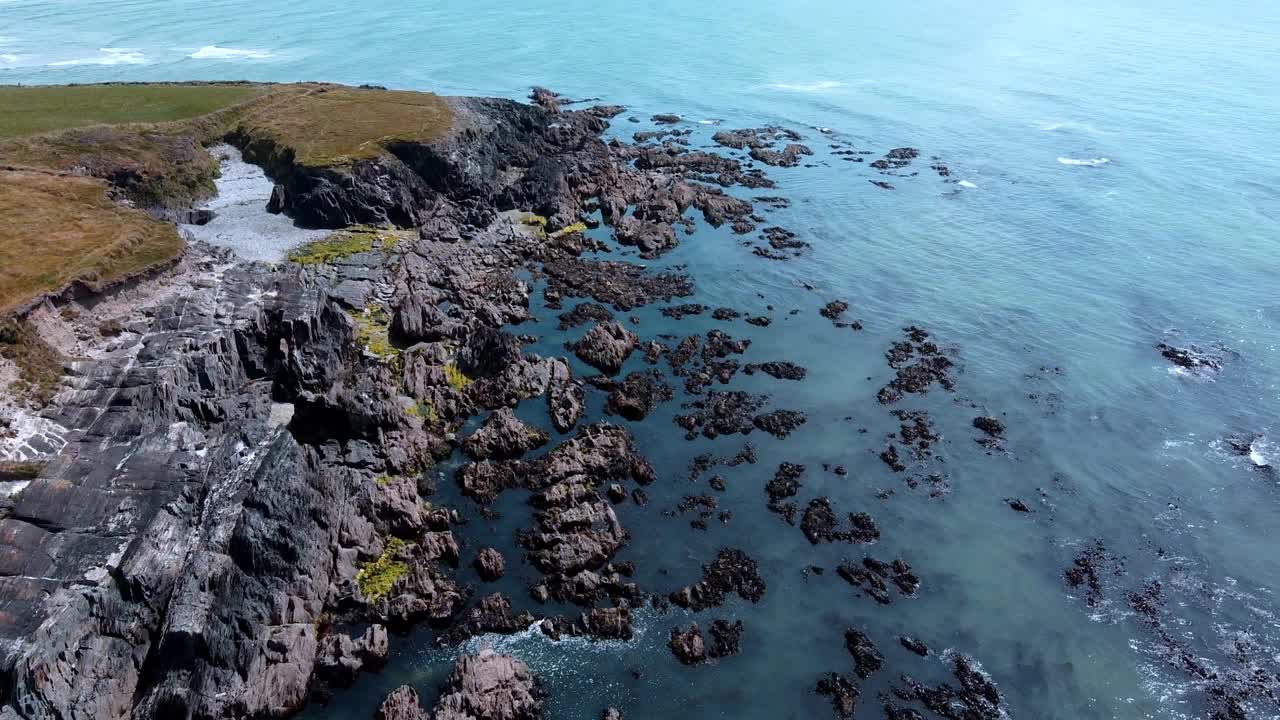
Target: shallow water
(1052, 273)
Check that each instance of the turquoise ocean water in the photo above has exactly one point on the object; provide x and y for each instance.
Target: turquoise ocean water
(1121, 170)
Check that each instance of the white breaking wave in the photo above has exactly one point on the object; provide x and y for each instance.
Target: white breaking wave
(817, 86)
(8, 59)
(213, 52)
(967, 184)
(1261, 452)
(1091, 162)
(1054, 126)
(109, 56)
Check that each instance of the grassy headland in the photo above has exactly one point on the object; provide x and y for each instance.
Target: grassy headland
(334, 126)
(68, 153)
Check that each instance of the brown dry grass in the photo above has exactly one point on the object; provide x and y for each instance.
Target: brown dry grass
(332, 126)
(57, 229)
(39, 365)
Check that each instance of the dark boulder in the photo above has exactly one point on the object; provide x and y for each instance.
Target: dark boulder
(688, 645)
(489, 564)
(606, 347)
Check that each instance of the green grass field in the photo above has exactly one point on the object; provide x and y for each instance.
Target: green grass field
(32, 110)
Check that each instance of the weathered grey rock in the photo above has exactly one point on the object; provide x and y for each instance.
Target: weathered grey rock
(489, 686)
(177, 558)
(606, 346)
(566, 402)
(340, 657)
(503, 436)
(401, 704)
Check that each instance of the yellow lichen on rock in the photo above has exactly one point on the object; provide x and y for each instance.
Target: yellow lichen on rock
(373, 333)
(377, 577)
(456, 378)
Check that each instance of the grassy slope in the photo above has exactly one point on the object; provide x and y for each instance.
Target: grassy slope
(31, 110)
(54, 230)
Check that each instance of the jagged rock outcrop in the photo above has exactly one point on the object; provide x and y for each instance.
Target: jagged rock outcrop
(606, 346)
(489, 686)
(401, 704)
(489, 564)
(503, 436)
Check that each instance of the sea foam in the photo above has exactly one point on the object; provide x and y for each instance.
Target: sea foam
(213, 52)
(108, 56)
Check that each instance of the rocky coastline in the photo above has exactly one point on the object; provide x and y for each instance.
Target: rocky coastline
(230, 505)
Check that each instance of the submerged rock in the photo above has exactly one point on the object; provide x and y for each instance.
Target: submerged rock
(1192, 357)
(726, 638)
(866, 658)
(583, 313)
(842, 692)
(636, 396)
(931, 365)
(870, 577)
(780, 370)
(914, 646)
(820, 524)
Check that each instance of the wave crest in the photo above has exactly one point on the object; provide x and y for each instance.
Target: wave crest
(816, 86)
(1091, 162)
